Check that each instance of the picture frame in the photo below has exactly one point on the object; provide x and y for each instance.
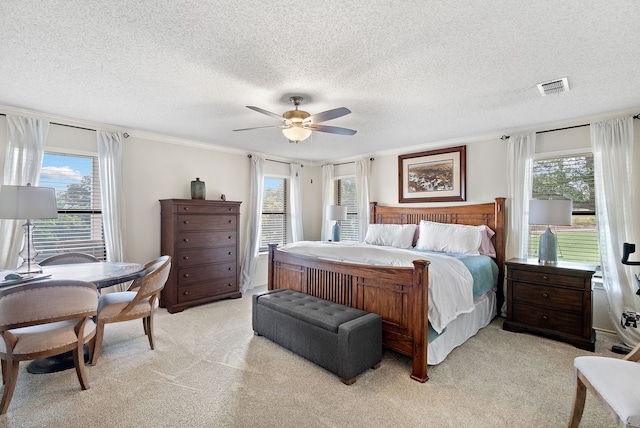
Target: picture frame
(433, 176)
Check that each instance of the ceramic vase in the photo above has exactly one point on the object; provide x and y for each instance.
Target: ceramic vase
(197, 189)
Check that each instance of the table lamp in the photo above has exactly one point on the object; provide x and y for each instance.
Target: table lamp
(27, 203)
(336, 213)
(549, 212)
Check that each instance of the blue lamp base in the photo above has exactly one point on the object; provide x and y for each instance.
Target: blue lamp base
(548, 248)
(336, 232)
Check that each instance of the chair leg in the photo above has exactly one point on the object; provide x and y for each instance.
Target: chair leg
(11, 377)
(578, 402)
(78, 361)
(97, 343)
(149, 330)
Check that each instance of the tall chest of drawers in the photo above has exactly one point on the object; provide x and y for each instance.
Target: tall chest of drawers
(202, 238)
(551, 300)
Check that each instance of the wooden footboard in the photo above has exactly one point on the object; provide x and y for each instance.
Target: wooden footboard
(397, 294)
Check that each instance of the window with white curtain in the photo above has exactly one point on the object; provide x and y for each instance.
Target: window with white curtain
(345, 195)
(276, 215)
(78, 227)
(570, 177)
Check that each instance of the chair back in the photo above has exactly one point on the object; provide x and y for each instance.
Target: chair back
(47, 301)
(68, 258)
(152, 282)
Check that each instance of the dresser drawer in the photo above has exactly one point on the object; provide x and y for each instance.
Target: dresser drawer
(187, 240)
(551, 297)
(560, 321)
(197, 274)
(199, 223)
(548, 278)
(205, 290)
(207, 209)
(199, 256)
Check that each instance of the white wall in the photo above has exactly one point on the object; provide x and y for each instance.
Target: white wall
(158, 167)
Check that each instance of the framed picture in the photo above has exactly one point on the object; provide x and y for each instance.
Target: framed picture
(433, 176)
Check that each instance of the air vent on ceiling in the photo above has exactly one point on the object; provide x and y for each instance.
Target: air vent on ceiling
(553, 86)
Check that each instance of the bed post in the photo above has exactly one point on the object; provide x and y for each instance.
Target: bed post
(420, 322)
(270, 279)
(499, 245)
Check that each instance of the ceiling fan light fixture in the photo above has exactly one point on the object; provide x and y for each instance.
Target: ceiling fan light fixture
(296, 133)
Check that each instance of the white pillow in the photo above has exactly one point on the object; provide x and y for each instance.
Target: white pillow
(390, 235)
(450, 238)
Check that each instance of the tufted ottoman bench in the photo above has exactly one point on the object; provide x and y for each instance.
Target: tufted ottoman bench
(343, 340)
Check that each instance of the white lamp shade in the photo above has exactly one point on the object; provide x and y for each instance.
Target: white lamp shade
(28, 202)
(336, 212)
(555, 212)
(296, 133)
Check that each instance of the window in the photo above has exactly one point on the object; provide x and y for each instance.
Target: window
(78, 227)
(345, 194)
(276, 227)
(569, 177)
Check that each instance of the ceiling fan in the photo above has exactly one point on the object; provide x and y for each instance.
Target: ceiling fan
(298, 124)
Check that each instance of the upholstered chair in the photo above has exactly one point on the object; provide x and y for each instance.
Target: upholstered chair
(42, 319)
(139, 301)
(613, 381)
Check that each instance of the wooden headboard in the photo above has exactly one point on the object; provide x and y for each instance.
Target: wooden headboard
(491, 214)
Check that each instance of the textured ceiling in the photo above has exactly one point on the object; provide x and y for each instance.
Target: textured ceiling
(411, 72)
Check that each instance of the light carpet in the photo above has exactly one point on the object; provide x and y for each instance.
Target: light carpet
(209, 370)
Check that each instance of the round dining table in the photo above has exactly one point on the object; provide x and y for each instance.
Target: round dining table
(102, 274)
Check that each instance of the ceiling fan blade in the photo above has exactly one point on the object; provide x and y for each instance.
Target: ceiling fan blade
(328, 115)
(260, 127)
(332, 129)
(268, 113)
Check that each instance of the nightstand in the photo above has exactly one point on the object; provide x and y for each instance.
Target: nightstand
(551, 300)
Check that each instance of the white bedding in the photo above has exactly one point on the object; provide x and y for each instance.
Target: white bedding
(450, 282)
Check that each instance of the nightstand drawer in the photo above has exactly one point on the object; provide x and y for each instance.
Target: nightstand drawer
(548, 278)
(550, 297)
(548, 319)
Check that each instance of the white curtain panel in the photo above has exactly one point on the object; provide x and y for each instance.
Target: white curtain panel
(520, 152)
(23, 161)
(363, 168)
(254, 223)
(327, 199)
(112, 192)
(296, 202)
(612, 143)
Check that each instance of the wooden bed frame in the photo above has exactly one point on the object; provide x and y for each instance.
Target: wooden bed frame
(398, 294)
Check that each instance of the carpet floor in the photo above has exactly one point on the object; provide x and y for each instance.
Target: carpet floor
(209, 370)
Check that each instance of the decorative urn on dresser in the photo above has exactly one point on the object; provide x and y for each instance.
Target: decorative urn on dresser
(202, 237)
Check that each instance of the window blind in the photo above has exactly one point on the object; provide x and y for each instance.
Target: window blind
(78, 227)
(275, 214)
(569, 177)
(345, 195)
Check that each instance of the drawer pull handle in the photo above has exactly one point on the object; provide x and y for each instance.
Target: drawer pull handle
(186, 293)
(229, 268)
(229, 237)
(186, 208)
(545, 295)
(546, 278)
(544, 317)
(186, 275)
(186, 239)
(186, 257)
(186, 222)
(230, 252)
(229, 221)
(229, 284)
